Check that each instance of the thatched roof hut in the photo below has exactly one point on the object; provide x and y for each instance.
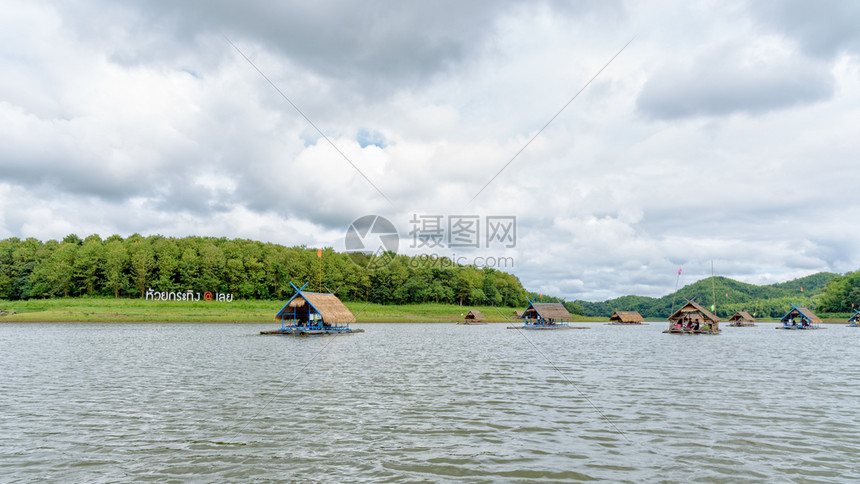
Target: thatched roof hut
(518, 314)
(626, 317)
(474, 315)
(552, 312)
(742, 317)
(800, 315)
(694, 312)
(315, 307)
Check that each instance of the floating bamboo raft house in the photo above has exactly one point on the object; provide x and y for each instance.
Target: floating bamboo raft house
(742, 318)
(692, 318)
(473, 317)
(313, 313)
(626, 317)
(854, 321)
(546, 316)
(799, 318)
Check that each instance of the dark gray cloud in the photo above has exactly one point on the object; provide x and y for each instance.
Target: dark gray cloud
(822, 29)
(373, 45)
(720, 83)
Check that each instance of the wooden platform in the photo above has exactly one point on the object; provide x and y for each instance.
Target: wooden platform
(533, 328)
(740, 325)
(310, 332)
(627, 324)
(471, 323)
(681, 331)
(799, 327)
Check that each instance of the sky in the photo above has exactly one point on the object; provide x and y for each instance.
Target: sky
(627, 139)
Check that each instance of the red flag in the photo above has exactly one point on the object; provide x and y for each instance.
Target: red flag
(679, 271)
(727, 294)
(319, 252)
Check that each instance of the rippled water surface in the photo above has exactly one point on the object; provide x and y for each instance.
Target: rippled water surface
(427, 402)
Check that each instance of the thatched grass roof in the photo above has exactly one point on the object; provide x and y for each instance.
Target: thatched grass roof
(743, 317)
(626, 317)
(801, 313)
(553, 311)
(519, 314)
(695, 313)
(303, 304)
(475, 315)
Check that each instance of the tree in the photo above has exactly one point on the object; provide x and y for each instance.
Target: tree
(116, 257)
(88, 262)
(142, 263)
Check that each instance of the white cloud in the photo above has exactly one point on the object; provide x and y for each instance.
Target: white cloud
(717, 134)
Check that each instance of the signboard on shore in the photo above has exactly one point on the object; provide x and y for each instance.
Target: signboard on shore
(188, 295)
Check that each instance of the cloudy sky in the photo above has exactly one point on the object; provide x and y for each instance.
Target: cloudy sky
(725, 131)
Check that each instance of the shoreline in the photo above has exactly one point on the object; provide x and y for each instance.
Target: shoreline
(119, 310)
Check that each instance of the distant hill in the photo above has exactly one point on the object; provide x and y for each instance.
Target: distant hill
(770, 301)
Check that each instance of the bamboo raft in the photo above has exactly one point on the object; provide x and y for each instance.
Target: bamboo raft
(310, 331)
(692, 331)
(741, 324)
(538, 327)
(626, 324)
(471, 323)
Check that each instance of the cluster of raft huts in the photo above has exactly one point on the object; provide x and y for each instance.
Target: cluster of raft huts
(313, 313)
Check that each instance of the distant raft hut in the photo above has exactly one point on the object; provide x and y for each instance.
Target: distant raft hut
(854, 321)
(799, 318)
(546, 316)
(692, 318)
(626, 317)
(742, 318)
(313, 313)
(473, 317)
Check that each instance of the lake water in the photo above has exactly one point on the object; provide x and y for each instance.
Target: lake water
(427, 402)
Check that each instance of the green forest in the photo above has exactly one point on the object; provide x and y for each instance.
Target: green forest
(128, 267)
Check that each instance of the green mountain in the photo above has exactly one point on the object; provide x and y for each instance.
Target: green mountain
(770, 301)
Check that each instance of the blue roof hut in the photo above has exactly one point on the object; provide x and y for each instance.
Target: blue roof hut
(799, 318)
(546, 316)
(309, 313)
(854, 320)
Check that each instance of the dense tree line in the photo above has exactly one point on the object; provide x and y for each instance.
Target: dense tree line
(770, 301)
(247, 269)
(842, 294)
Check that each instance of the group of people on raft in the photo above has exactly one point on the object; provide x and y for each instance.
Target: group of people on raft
(687, 324)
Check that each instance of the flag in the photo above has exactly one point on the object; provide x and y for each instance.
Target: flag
(319, 252)
(801, 288)
(727, 294)
(679, 271)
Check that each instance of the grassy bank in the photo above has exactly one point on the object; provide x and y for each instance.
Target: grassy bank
(140, 310)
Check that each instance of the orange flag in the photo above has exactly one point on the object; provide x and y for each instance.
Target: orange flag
(801, 288)
(319, 252)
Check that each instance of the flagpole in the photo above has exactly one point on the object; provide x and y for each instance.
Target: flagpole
(674, 294)
(319, 256)
(713, 287)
